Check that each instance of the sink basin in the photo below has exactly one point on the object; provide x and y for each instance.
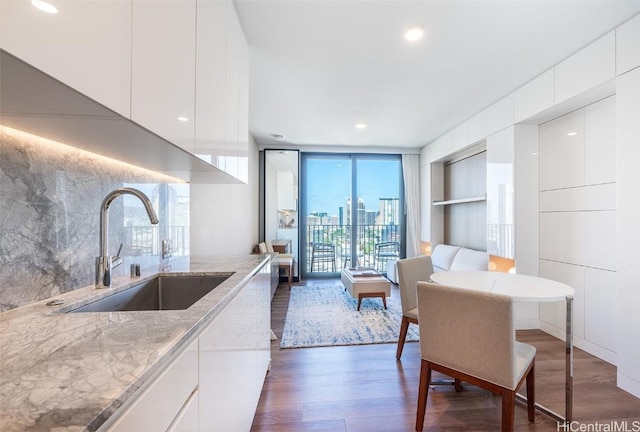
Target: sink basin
(160, 293)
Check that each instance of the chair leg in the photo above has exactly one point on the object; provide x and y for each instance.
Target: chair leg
(531, 392)
(508, 409)
(404, 328)
(457, 385)
(423, 393)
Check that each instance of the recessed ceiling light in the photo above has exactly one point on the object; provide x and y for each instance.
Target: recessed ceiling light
(572, 133)
(183, 119)
(361, 125)
(414, 33)
(278, 137)
(44, 6)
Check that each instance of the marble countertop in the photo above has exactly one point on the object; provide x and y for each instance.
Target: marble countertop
(71, 371)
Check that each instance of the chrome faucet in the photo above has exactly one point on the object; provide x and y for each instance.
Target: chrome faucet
(105, 263)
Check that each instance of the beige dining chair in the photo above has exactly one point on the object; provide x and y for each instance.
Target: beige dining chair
(285, 261)
(410, 271)
(476, 345)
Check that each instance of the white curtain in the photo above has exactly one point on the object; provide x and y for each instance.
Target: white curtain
(411, 176)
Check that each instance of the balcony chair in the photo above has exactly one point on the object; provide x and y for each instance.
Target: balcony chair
(383, 252)
(410, 272)
(323, 253)
(477, 345)
(285, 261)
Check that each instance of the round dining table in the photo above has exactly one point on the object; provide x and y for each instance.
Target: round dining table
(524, 288)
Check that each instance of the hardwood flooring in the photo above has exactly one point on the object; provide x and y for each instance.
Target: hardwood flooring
(364, 389)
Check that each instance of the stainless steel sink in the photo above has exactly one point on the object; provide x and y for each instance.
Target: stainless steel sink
(160, 293)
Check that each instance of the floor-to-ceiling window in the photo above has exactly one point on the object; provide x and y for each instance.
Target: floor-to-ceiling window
(352, 212)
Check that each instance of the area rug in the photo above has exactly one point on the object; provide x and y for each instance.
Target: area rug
(327, 316)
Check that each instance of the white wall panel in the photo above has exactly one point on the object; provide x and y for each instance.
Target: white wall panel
(601, 308)
(628, 45)
(628, 234)
(597, 197)
(554, 314)
(500, 115)
(534, 97)
(600, 141)
(562, 152)
(579, 238)
(588, 68)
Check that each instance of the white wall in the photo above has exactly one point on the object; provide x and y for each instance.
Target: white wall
(224, 218)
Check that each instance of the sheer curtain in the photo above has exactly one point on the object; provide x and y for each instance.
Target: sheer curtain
(411, 176)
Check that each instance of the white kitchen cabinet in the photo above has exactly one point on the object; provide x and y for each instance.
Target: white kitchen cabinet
(187, 420)
(163, 68)
(166, 398)
(211, 81)
(234, 357)
(628, 46)
(586, 69)
(86, 45)
(222, 89)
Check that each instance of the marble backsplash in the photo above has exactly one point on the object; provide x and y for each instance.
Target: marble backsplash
(50, 198)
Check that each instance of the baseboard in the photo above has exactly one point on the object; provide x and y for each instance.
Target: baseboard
(527, 324)
(629, 385)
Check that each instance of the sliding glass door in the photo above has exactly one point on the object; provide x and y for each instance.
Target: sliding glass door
(351, 208)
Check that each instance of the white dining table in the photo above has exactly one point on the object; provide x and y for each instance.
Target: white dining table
(524, 288)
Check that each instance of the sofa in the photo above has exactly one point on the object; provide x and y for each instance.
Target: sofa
(449, 258)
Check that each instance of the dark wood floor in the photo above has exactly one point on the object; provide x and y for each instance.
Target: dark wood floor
(364, 389)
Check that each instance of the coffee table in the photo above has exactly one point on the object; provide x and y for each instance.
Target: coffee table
(363, 283)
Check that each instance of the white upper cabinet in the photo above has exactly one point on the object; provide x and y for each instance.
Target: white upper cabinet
(586, 69)
(628, 45)
(222, 89)
(534, 97)
(163, 68)
(211, 80)
(477, 127)
(86, 45)
(500, 115)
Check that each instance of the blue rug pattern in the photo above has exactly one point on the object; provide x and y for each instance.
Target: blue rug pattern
(327, 316)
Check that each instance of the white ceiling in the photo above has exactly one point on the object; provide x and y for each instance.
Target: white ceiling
(318, 67)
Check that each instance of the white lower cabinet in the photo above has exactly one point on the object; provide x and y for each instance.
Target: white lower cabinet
(158, 408)
(234, 357)
(215, 384)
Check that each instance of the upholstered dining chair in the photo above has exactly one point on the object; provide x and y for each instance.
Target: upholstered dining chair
(410, 271)
(477, 345)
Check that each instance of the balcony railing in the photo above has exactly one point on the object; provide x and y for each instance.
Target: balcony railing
(340, 237)
(145, 240)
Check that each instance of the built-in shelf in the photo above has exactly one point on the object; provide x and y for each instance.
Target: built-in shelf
(460, 200)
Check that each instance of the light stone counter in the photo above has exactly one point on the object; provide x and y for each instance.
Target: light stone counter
(71, 371)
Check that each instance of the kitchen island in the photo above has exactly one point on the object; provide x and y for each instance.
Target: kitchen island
(104, 370)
